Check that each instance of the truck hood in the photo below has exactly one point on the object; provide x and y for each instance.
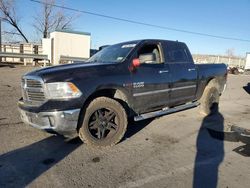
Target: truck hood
(61, 72)
(66, 67)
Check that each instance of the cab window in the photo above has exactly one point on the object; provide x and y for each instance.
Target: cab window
(176, 52)
(178, 55)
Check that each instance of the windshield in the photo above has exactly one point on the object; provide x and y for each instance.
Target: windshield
(115, 53)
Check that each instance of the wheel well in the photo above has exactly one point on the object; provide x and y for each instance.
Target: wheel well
(217, 83)
(214, 81)
(101, 93)
(210, 80)
(111, 93)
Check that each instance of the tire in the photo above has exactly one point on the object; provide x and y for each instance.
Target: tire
(104, 123)
(210, 99)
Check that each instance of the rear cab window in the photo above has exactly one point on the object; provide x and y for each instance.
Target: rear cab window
(177, 52)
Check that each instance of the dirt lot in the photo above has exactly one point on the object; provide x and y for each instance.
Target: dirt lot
(171, 151)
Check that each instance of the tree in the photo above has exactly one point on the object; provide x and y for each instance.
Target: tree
(9, 15)
(230, 52)
(49, 19)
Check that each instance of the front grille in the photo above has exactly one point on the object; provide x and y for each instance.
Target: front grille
(35, 96)
(33, 83)
(33, 91)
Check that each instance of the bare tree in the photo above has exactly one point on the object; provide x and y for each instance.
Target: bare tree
(49, 19)
(9, 15)
(230, 52)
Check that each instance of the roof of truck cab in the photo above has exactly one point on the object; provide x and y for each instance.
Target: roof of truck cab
(152, 40)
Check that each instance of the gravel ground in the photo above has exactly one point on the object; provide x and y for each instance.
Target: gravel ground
(176, 150)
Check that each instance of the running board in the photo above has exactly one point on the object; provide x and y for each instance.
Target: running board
(165, 111)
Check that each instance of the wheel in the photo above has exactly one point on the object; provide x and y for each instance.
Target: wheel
(104, 122)
(209, 99)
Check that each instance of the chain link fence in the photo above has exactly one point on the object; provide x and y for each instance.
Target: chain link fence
(230, 61)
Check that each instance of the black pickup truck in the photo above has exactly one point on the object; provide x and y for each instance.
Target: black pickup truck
(131, 80)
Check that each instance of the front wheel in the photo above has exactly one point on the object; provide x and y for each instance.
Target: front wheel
(104, 122)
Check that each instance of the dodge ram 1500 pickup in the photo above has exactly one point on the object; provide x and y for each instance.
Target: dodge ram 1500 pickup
(137, 79)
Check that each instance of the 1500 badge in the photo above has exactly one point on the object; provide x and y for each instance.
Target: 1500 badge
(138, 84)
(134, 85)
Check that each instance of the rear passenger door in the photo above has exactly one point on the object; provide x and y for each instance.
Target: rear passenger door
(183, 73)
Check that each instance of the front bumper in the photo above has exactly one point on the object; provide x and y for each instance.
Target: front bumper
(61, 122)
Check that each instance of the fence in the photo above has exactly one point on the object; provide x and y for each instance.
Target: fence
(21, 53)
(230, 61)
(32, 53)
(29, 53)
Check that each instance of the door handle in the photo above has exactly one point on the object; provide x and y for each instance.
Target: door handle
(163, 71)
(191, 69)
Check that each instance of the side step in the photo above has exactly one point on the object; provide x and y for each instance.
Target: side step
(165, 111)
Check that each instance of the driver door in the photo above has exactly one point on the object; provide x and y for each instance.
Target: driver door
(151, 80)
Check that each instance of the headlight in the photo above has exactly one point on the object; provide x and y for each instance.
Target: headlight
(62, 90)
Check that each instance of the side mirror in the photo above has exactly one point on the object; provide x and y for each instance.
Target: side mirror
(147, 58)
(144, 58)
(136, 62)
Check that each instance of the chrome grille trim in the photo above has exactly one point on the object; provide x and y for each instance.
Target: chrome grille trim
(33, 90)
(33, 83)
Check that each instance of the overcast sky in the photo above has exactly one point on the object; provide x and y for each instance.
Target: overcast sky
(229, 18)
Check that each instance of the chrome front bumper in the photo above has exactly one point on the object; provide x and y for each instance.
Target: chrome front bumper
(61, 122)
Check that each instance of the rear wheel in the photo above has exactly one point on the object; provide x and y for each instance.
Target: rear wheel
(104, 123)
(209, 98)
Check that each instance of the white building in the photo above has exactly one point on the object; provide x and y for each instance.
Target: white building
(247, 66)
(64, 46)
